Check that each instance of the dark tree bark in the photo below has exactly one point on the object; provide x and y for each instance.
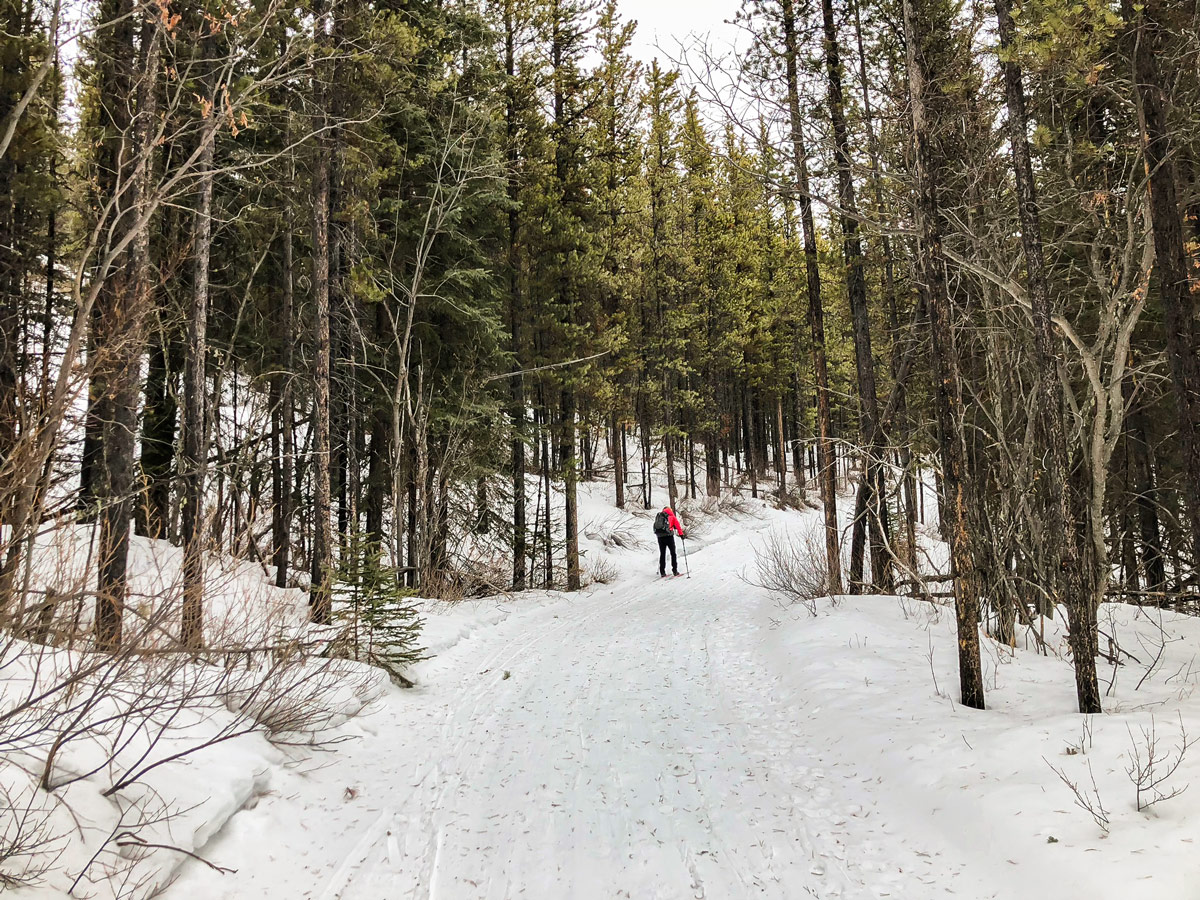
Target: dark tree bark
(712, 467)
(750, 441)
(158, 442)
(51, 233)
(195, 415)
(548, 532)
(378, 450)
(517, 386)
(781, 457)
(570, 467)
(873, 488)
(816, 313)
(320, 598)
(799, 407)
(10, 268)
(410, 548)
(342, 368)
(919, 33)
(618, 457)
(562, 45)
(378, 454)
(284, 505)
(624, 455)
(1141, 458)
(899, 371)
(116, 65)
(124, 340)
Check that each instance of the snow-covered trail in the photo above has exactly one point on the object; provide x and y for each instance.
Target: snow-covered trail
(629, 742)
(624, 744)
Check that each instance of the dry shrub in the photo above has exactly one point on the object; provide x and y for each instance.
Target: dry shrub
(1151, 767)
(300, 701)
(28, 844)
(731, 503)
(792, 500)
(601, 571)
(481, 576)
(617, 530)
(792, 568)
(70, 715)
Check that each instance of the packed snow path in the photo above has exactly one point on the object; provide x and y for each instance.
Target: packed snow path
(626, 744)
(624, 747)
(694, 739)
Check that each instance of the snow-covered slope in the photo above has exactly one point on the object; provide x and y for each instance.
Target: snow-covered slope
(143, 757)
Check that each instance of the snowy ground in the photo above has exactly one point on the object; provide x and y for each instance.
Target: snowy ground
(152, 750)
(691, 738)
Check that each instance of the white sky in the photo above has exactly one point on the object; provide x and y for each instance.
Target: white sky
(666, 23)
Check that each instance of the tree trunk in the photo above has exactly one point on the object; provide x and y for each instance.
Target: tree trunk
(1141, 456)
(51, 234)
(124, 341)
(858, 538)
(158, 442)
(624, 455)
(798, 416)
(947, 389)
(195, 421)
(115, 60)
(751, 442)
(516, 409)
(320, 596)
(712, 467)
(618, 457)
(378, 454)
(411, 555)
(283, 516)
(570, 466)
(644, 438)
(548, 534)
(691, 466)
(856, 291)
(781, 457)
(816, 314)
(899, 370)
(10, 297)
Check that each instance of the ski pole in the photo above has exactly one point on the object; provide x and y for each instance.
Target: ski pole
(686, 567)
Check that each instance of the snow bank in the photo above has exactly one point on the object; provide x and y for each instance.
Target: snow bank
(875, 680)
(115, 768)
(241, 602)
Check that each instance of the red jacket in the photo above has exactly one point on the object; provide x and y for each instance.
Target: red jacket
(672, 521)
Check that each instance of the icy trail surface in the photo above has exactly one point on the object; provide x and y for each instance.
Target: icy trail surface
(691, 738)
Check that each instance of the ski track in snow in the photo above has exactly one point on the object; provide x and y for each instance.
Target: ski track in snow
(634, 749)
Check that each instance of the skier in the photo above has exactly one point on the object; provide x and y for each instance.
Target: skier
(666, 526)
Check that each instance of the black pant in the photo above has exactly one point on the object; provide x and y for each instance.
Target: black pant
(665, 541)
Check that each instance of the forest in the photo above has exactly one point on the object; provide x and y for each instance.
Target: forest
(359, 285)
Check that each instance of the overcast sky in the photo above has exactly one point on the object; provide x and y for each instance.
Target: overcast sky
(667, 22)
